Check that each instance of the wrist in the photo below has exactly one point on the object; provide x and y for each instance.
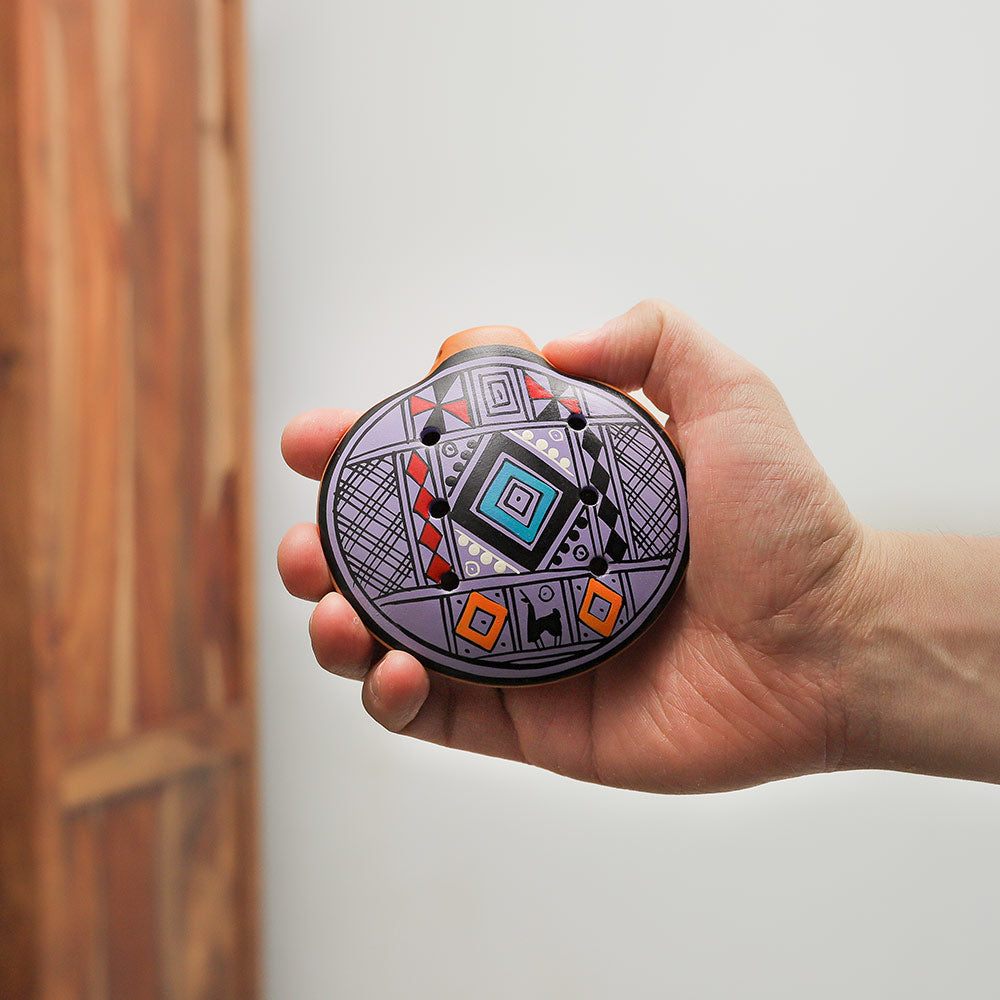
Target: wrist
(921, 671)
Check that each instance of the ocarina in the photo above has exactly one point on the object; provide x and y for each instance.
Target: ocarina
(503, 522)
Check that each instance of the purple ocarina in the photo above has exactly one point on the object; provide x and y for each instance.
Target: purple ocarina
(503, 522)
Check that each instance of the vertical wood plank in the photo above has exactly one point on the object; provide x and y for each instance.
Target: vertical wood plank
(84, 972)
(202, 903)
(131, 844)
(238, 508)
(19, 890)
(110, 43)
(125, 521)
(169, 403)
(85, 334)
(219, 556)
(243, 783)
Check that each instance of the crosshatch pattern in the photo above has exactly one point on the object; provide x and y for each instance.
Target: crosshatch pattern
(560, 528)
(373, 537)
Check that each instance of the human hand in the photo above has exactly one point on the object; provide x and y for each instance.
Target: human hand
(741, 680)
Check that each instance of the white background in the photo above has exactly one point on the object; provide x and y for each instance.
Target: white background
(817, 184)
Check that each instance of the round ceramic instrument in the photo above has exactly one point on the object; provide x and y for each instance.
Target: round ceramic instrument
(503, 522)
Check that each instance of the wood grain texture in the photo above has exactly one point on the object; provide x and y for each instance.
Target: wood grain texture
(133, 956)
(85, 969)
(128, 844)
(194, 742)
(19, 890)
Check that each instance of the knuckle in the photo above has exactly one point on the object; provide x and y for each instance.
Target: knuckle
(656, 310)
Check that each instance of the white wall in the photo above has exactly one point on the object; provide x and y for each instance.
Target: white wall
(816, 183)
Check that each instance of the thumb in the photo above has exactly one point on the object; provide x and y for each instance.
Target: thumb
(655, 347)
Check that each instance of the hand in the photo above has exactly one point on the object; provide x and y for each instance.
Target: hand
(739, 681)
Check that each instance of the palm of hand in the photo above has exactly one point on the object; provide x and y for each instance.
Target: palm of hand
(733, 684)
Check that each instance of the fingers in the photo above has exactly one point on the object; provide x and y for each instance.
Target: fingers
(395, 690)
(340, 641)
(302, 564)
(400, 695)
(398, 692)
(309, 440)
(657, 347)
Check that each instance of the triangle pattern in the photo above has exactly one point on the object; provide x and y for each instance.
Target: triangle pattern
(449, 410)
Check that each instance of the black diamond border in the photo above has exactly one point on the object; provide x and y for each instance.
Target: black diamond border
(559, 516)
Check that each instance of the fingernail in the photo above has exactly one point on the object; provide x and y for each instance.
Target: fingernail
(377, 681)
(584, 334)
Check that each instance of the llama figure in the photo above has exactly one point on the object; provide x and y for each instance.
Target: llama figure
(537, 627)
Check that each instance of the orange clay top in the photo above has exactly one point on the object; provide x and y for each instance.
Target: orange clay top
(479, 336)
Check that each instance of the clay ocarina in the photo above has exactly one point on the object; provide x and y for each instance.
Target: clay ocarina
(503, 522)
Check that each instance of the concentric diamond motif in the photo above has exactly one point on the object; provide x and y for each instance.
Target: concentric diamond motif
(600, 607)
(514, 501)
(482, 621)
(517, 501)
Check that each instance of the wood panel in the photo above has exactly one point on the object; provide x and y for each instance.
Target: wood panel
(128, 849)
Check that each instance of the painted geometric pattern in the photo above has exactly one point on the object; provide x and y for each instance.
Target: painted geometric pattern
(515, 500)
(504, 522)
(481, 621)
(444, 407)
(600, 479)
(552, 397)
(371, 532)
(653, 512)
(429, 537)
(600, 607)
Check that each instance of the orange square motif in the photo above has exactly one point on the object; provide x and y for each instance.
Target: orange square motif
(600, 608)
(482, 621)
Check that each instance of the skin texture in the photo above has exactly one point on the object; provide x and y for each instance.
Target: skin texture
(754, 670)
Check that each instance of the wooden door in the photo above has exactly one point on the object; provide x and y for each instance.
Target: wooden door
(128, 858)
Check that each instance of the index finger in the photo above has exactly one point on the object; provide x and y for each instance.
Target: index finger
(310, 438)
